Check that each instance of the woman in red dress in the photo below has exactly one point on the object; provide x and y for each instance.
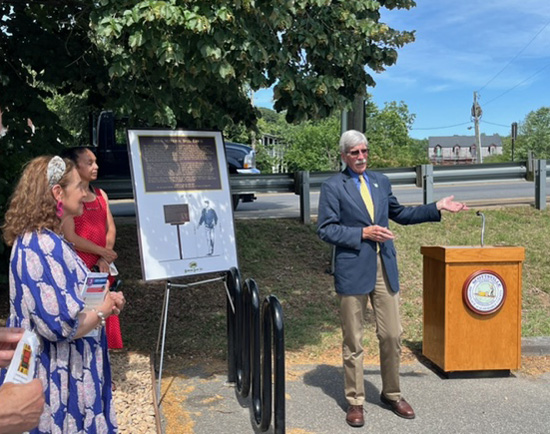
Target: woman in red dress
(93, 233)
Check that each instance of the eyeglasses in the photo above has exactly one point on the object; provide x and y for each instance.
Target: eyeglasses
(358, 151)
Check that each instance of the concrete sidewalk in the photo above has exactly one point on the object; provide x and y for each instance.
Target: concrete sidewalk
(315, 402)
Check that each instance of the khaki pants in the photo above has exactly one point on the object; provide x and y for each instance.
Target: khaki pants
(385, 304)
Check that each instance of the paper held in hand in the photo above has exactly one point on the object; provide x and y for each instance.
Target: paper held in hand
(94, 289)
(113, 271)
(94, 292)
(23, 363)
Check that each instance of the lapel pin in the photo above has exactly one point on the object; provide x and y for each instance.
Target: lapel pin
(376, 185)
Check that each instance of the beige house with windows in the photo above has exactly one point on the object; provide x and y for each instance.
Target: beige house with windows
(276, 149)
(447, 150)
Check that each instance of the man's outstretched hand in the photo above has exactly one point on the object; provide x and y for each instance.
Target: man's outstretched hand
(448, 204)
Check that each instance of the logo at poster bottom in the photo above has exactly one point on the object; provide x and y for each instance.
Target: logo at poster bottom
(193, 267)
(484, 292)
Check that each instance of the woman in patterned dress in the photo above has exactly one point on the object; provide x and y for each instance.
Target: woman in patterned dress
(93, 233)
(46, 279)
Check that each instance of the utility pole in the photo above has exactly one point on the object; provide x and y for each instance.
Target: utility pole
(476, 115)
(354, 119)
(514, 137)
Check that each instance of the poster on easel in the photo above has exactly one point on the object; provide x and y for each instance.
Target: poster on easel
(183, 202)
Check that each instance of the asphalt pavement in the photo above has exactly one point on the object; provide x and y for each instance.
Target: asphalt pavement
(315, 402)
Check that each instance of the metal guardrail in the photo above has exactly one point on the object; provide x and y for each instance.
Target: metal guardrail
(397, 176)
(541, 173)
(121, 188)
(288, 183)
(481, 172)
(263, 183)
(441, 174)
(302, 183)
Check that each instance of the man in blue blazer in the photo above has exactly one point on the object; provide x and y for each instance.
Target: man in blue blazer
(366, 267)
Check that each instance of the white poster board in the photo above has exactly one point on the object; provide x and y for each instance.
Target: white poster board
(183, 202)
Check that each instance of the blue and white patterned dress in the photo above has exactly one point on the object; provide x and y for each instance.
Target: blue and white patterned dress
(46, 278)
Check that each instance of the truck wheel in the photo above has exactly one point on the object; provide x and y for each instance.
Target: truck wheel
(235, 200)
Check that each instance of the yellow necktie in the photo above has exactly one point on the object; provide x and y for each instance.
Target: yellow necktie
(367, 198)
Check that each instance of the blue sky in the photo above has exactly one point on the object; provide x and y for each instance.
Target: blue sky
(500, 48)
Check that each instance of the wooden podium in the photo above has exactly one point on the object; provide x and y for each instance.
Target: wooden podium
(472, 307)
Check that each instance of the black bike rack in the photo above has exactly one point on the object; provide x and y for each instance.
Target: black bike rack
(244, 347)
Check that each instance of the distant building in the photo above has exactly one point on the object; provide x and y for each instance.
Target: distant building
(461, 149)
(276, 149)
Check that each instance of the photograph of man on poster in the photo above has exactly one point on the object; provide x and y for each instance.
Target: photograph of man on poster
(210, 219)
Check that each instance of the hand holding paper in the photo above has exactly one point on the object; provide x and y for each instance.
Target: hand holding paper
(22, 366)
(95, 288)
(9, 337)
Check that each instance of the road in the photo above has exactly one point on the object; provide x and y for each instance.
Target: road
(287, 205)
(480, 194)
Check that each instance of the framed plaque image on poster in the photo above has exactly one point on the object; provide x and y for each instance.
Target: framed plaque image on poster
(183, 202)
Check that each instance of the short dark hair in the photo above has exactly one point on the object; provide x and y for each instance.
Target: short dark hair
(74, 152)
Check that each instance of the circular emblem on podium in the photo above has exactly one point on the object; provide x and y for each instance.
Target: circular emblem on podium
(484, 292)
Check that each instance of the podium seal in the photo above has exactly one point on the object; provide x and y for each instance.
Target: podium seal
(484, 292)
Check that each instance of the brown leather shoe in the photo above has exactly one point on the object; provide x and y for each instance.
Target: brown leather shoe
(354, 416)
(401, 408)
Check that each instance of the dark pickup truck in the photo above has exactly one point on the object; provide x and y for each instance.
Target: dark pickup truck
(109, 142)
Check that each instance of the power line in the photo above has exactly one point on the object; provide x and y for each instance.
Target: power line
(492, 123)
(516, 56)
(493, 78)
(442, 128)
(519, 84)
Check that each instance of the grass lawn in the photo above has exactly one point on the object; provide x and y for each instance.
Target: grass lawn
(288, 260)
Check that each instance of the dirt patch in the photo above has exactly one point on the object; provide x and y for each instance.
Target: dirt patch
(535, 366)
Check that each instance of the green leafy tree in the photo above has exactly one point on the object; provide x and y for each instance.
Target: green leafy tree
(213, 54)
(313, 145)
(270, 117)
(274, 124)
(534, 135)
(388, 134)
(419, 151)
(506, 155)
(194, 63)
(73, 115)
(507, 149)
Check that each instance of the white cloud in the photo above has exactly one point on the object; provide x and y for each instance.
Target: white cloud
(438, 88)
(469, 42)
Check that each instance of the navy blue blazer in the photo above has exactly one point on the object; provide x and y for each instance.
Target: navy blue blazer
(343, 215)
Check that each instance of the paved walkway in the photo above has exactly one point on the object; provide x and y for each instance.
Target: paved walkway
(315, 403)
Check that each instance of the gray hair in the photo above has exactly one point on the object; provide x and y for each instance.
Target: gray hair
(350, 139)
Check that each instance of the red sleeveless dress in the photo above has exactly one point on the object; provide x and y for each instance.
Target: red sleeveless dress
(92, 225)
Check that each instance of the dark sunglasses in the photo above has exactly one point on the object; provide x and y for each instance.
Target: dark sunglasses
(357, 151)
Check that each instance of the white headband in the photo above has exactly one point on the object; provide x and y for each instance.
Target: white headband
(56, 170)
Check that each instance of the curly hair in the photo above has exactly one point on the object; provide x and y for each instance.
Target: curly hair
(32, 205)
